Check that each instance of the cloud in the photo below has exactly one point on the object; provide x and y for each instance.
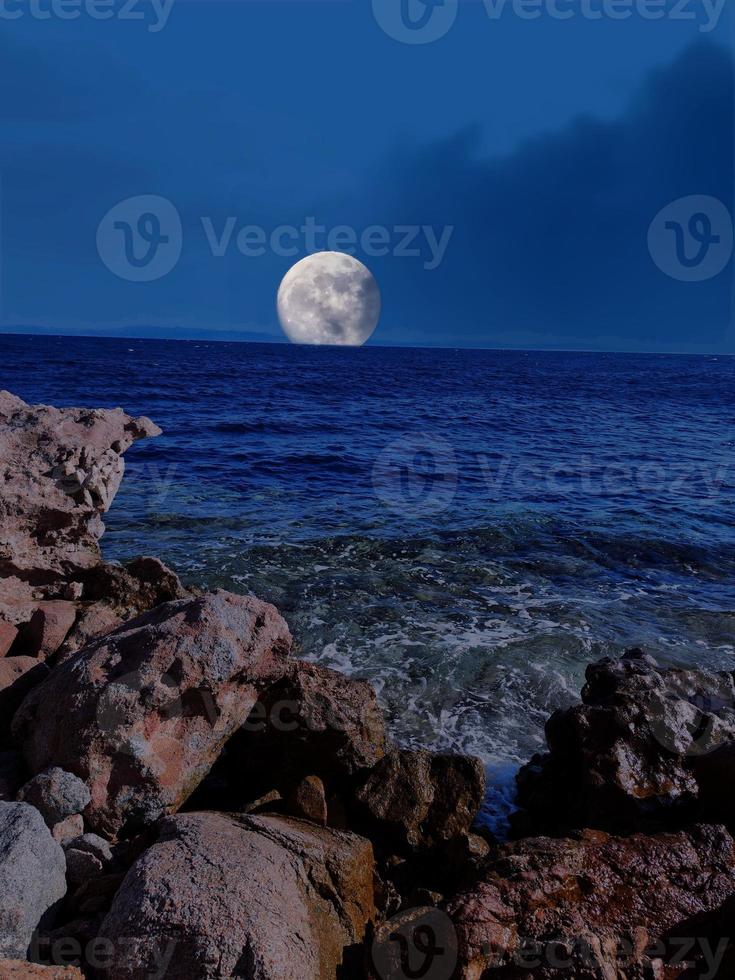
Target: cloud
(550, 242)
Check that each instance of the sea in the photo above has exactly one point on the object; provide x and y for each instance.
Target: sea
(467, 529)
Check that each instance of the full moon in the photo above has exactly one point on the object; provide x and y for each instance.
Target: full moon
(329, 298)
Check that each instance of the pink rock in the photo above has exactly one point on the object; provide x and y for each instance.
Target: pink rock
(59, 471)
(8, 633)
(67, 829)
(142, 714)
(263, 897)
(48, 628)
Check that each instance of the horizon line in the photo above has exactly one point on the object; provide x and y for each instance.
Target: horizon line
(285, 342)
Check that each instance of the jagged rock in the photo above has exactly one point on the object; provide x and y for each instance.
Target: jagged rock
(141, 714)
(47, 628)
(21, 970)
(114, 594)
(314, 721)
(308, 801)
(8, 634)
(18, 675)
(32, 876)
(577, 906)
(68, 828)
(266, 897)
(56, 794)
(60, 470)
(418, 799)
(632, 750)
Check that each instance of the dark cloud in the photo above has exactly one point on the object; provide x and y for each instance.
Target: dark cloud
(550, 243)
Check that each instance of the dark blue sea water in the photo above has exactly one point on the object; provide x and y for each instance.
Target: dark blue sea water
(466, 528)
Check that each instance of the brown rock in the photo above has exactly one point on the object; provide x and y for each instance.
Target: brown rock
(632, 751)
(8, 633)
(60, 470)
(141, 714)
(308, 801)
(20, 970)
(314, 721)
(593, 905)
(264, 897)
(68, 828)
(418, 799)
(47, 628)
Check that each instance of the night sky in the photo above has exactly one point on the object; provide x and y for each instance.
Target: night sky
(542, 149)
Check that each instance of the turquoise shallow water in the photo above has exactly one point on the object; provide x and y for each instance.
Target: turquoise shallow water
(466, 528)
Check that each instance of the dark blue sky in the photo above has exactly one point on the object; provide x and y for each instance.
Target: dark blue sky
(546, 146)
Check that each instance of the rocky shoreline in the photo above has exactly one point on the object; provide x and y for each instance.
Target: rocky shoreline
(181, 798)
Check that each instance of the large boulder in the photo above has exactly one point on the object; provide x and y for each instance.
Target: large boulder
(416, 800)
(32, 876)
(594, 905)
(313, 722)
(59, 472)
(260, 898)
(645, 745)
(141, 714)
